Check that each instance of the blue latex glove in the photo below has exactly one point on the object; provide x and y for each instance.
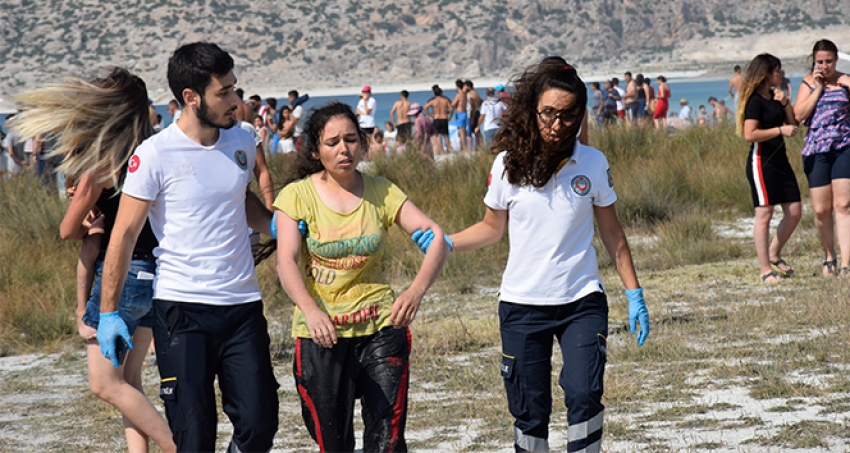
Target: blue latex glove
(273, 225)
(111, 327)
(638, 313)
(423, 240)
(302, 226)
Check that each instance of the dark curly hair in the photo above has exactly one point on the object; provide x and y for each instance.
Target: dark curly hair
(306, 162)
(530, 160)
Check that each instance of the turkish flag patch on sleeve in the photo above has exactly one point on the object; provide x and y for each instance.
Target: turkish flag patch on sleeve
(134, 163)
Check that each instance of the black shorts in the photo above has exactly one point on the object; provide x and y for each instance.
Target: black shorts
(442, 126)
(473, 121)
(821, 169)
(632, 109)
(404, 130)
(772, 180)
(368, 130)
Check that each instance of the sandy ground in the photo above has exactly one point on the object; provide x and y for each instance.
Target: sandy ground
(26, 425)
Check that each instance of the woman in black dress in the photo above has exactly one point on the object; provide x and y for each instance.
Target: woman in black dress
(764, 117)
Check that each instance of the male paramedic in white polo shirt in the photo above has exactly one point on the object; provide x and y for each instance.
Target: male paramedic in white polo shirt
(192, 180)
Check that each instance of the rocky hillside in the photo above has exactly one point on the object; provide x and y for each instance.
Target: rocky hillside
(323, 42)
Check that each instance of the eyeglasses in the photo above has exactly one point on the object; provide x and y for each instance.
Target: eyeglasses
(548, 117)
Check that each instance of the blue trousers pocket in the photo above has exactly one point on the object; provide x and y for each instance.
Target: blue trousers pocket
(513, 386)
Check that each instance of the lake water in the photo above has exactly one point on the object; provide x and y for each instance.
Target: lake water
(696, 92)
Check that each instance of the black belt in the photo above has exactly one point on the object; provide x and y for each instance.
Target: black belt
(137, 256)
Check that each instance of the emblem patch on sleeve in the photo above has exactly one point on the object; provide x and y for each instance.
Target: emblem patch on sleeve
(134, 163)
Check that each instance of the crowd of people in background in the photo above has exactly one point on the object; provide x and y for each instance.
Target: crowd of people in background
(278, 128)
(641, 104)
(476, 120)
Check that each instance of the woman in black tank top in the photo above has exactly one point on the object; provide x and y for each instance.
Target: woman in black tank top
(96, 147)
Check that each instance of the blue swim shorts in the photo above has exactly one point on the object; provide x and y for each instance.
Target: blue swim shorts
(462, 120)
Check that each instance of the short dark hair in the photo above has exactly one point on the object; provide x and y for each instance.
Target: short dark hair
(193, 66)
(257, 98)
(293, 93)
(173, 102)
(615, 81)
(737, 67)
(241, 93)
(404, 94)
(437, 90)
(628, 73)
(459, 83)
(271, 102)
(712, 99)
(468, 83)
(595, 85)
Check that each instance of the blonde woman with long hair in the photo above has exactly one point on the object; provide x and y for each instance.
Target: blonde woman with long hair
(764, 117)
(97, 124)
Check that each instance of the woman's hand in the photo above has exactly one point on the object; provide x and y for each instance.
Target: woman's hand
(85, 331)
(788, 130)
(779, 96)
(321, 327)
(817, 78)
(405, 308)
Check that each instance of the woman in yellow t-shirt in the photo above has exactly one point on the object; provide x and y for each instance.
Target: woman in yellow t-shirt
(352, 339)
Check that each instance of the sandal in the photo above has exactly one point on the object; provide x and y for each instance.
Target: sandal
(780, 264)
(844, 272)
(831, 268)
(770, 275)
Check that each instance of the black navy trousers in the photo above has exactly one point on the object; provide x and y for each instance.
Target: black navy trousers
(195, 343)
(528, 334)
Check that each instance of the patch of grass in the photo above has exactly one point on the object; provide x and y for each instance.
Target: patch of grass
(805, 434)
(677, 412)
(777, 387)
(708, 446)
(689, 239)
(699, 423)
(784, 408)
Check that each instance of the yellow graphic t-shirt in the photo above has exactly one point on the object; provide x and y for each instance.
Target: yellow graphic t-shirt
(341, 256)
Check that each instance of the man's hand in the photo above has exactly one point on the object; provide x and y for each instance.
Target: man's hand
(111, 327)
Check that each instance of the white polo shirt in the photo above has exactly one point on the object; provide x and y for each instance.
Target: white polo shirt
(198, 214)
(552, 260)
